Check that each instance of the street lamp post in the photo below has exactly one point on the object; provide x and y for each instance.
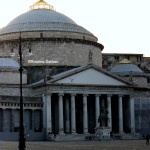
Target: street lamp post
(22, 145)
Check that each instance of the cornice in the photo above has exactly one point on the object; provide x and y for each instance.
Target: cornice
(83, 89)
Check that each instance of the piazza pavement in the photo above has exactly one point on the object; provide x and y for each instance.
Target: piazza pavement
(80, 145)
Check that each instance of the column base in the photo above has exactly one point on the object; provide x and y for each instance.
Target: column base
(132, 131)
(121, 132)
(61, 133)
(74, 133)
(86, 133)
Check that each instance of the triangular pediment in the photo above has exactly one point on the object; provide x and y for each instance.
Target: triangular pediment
(88, 76)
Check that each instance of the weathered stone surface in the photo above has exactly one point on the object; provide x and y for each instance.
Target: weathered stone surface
(12, 77)
(57, 54)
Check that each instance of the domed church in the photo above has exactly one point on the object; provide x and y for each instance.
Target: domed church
(65, 89)
(50, 39)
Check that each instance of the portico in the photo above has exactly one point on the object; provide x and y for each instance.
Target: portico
(74, 108)
(67, 117)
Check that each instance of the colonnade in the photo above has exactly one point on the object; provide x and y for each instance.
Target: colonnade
(9, 120)
(70, 121)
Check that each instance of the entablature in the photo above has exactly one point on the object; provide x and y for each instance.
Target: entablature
(83, 89)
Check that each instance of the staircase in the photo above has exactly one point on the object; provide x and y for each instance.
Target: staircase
(126, 136)
(82, 137)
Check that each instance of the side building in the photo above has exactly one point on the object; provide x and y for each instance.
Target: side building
(132, 73)
(109, 60)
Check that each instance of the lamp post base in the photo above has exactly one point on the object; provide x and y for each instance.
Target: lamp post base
(22, 144)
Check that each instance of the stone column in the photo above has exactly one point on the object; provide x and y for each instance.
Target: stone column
(97, 110)
(32, 120)
(44, 112)
(48, 114)
(132, 114)
(67, 121)
(73, 114)
(3, 120)
(103, 124)
(85, 114)
(12, 120)
(120, 114)
(61, 119)
(109, 112)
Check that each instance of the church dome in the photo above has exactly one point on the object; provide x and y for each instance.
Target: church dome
(125, 67)
(42, 17)
(8, 63)
(52, 39)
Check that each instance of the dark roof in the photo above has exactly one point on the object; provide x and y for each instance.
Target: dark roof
(6, 63)
(43, 20)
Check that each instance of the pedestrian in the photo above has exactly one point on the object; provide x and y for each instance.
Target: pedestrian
(147, 139)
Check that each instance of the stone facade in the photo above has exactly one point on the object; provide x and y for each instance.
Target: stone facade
(49, 34)
(142, 110)
(138, 80)
(57, 53)
(66, 86)
(12, 77)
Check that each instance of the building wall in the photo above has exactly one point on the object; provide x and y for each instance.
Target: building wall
(142, 111)
(58, 53)
(112, 59)
(9, 117)
(48, 34)
(139, 80)
(12, 78)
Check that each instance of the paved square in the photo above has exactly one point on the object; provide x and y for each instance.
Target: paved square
(81, 145)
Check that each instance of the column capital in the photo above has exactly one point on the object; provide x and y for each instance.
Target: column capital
(97, 95)
(61, 94)
(43, 95)
(85, 94)
(109, 95)
(73, 94)
(49, 94)
(121, 95)
(131, 96)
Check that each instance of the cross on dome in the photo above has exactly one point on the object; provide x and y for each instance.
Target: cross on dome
(41, 4)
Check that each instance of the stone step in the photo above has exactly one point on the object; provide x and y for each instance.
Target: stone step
(126, 136)
(70, 137)
(82, 137)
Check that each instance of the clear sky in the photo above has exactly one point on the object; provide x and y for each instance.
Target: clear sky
(122, 26)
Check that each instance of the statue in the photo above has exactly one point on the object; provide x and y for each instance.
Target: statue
(90, 56)
(103, 131)
(103, 117)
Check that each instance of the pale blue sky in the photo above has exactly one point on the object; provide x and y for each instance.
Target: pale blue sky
(122, 26)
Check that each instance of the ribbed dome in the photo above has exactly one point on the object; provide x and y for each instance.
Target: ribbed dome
(8, 63)
(126, 69)
(42, 20)
(41, 15)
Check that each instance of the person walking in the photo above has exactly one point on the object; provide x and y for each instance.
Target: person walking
(147, 139)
